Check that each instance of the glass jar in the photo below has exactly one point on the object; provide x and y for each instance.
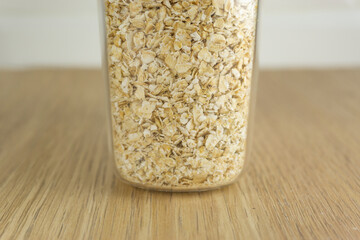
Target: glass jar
(179, 78)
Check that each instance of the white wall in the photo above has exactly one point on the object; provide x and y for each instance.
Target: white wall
(49, 33)
(310, 33)
(293, 33)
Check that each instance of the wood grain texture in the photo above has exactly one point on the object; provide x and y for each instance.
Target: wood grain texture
(57, 182)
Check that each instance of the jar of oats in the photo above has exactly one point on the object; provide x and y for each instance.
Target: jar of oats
(179, 77)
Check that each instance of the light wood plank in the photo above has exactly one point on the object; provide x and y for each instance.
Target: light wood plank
(57, 182)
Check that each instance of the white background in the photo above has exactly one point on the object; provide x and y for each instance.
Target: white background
(292, 33)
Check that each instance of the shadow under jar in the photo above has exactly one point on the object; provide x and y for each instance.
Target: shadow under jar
(179, 77)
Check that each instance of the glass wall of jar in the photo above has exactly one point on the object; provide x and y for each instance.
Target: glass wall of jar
(179, 77)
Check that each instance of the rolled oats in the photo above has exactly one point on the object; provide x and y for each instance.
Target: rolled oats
(180, 74)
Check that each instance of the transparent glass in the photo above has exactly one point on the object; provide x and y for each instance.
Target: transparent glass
(180, 76)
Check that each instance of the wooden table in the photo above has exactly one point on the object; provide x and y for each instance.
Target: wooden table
(56, 179)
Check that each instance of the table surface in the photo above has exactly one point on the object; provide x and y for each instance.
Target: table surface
(57, 182)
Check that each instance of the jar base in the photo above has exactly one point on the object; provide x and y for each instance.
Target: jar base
(180, 189)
